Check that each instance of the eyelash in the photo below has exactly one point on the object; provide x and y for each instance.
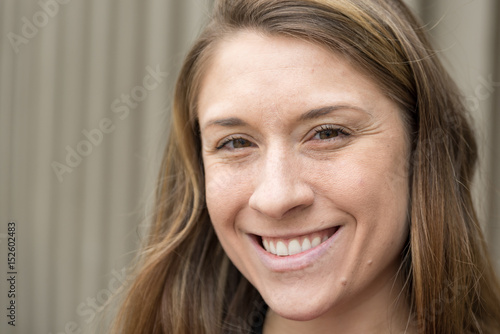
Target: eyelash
(327, 127)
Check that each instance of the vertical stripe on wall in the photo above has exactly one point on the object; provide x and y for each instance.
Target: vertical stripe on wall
(73, 94)
(494, 193)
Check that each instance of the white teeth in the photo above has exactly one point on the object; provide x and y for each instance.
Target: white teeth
(271, 248)
(316, 241)
(281, 249)
(294, 247)
(306, 244)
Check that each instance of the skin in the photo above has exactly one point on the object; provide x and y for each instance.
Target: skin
(277, 165)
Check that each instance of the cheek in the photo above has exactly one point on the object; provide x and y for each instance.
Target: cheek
(382, 177)
(371, 186)
(226, 192)
(383, 202)
(363, 181)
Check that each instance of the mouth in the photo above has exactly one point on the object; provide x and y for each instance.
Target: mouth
(284, 247)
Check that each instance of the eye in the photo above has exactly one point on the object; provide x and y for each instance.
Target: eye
(325, 132)
(235, 143)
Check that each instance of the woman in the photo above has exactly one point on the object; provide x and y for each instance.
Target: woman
(316, 180)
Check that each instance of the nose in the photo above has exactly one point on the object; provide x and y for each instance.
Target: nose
(281, 188)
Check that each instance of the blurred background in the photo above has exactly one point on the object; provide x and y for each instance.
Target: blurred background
(85, 93)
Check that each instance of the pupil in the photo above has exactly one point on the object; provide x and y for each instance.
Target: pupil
(328, 134)
(238, 143)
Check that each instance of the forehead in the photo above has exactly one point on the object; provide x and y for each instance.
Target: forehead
(257, 71)
(255, 44)
(248, 51)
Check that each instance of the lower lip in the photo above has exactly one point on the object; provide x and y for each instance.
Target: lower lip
(293, 262)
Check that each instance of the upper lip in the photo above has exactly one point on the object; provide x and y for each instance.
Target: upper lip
(294, 235)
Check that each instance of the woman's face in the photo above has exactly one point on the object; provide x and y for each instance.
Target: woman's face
(306, 181)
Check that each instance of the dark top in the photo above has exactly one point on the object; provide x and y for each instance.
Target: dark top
(258, 329)
(258, 326)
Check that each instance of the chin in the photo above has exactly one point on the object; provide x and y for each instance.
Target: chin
(297, 310)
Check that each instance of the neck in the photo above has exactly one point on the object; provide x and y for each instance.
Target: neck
(385, 310)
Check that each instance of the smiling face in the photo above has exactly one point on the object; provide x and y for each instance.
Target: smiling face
(306, 181)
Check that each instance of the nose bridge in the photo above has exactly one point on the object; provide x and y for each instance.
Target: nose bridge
(280, 186)
(276, 166)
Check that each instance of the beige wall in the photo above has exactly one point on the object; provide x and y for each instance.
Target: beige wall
(467, 35)
(76, 233)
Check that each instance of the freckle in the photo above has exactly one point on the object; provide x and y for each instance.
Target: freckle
(343, 281)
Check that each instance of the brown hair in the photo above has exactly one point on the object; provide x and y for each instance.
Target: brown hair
(186, 284)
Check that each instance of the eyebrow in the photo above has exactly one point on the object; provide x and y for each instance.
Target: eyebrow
(319, 112)
(227, 122)
(309, 115)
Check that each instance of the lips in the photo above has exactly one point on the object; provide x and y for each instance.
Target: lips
(291, 246)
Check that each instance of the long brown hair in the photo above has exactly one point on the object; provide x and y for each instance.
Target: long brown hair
(184, 281)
